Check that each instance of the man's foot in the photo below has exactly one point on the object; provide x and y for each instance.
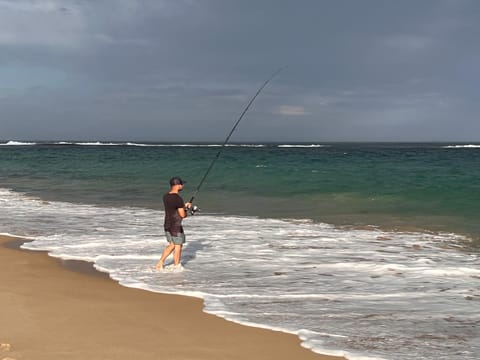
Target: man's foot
(159, 265)
(173, 268)
(177, 267)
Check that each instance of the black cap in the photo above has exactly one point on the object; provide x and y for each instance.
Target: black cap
(176, 181)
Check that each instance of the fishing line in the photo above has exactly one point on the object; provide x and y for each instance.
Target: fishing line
(231, 132)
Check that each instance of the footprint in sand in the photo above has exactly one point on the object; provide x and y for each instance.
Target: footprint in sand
(5, 347)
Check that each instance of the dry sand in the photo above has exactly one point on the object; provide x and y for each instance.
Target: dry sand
(48, 311)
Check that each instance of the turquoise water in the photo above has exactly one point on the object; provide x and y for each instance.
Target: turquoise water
(400, 186)
(361, 250)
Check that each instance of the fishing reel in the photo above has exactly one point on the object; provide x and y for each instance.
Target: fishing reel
(193, 209)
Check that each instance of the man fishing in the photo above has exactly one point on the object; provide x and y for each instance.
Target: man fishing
(175, 212)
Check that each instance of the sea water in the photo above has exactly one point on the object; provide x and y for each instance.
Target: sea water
(364, 250)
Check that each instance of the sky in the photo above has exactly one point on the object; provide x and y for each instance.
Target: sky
(184, 70)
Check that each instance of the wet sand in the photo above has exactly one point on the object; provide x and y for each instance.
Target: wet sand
(56, 310)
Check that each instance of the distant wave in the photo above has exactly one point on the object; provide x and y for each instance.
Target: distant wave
(197, 145)
(17, 143)
(129, 143)
(100, 143)
(96, 143)
(247, 145)
(302, 146)
(470, 146)
(193, 145)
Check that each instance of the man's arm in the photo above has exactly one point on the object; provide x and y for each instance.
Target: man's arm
(182, 210)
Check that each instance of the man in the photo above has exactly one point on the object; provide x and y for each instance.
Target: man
(175, 212)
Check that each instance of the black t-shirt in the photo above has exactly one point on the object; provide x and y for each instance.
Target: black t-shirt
(173, 221)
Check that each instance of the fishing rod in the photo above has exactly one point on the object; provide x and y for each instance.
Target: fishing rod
(194, 208)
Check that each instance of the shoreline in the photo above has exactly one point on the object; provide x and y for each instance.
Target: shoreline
(50, 313)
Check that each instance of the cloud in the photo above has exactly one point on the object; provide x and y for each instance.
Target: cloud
(30, 5)
(289, 110)
(403, 42)
(355, 69)
(73, 24)
(40, 23)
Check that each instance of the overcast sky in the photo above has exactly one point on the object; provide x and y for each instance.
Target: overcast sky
(183, 70)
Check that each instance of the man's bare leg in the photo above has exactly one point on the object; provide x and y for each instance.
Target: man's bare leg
(177, 254)
(168, 250)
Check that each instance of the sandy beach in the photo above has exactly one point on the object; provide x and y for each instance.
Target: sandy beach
(52, 311)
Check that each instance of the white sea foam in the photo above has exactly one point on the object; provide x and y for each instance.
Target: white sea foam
(342, 291)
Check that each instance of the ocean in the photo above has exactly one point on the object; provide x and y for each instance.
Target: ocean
(366, 250)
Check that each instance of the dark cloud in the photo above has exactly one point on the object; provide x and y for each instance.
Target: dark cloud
(183, 70)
